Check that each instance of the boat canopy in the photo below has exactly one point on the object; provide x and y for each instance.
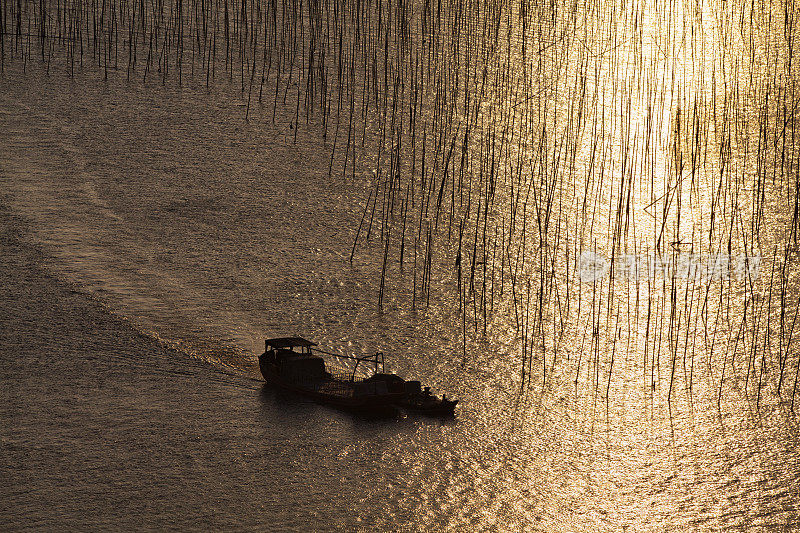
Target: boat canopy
(289, 342)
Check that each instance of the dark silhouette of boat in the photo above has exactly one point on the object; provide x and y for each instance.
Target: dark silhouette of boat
(290, 363)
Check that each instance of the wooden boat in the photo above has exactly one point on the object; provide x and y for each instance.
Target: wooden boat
(289, 363)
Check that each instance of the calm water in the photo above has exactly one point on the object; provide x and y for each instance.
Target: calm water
(153, 237)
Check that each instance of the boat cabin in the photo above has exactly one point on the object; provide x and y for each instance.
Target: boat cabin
(294, 359)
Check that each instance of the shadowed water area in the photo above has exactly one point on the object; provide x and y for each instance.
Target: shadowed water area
(580, 220)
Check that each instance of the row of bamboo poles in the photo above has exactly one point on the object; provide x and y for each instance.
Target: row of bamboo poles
(503, 140)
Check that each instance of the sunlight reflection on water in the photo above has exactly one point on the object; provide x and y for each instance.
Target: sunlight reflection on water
(211, 233)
